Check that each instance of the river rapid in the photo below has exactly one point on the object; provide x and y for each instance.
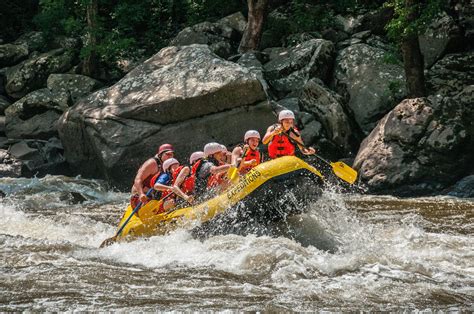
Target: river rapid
(348, 252)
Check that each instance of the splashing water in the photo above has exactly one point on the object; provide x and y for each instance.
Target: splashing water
(344, 253)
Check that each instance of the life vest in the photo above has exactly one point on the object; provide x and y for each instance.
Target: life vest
(250, 154)
(281, 145)
(202, 183)
(157, 195)
(187, 186)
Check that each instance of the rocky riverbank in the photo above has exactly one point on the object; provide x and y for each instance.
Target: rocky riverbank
(346, 85)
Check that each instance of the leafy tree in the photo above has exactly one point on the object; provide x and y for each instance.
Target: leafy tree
(411, 17)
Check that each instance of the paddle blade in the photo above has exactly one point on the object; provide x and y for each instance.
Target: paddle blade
(344, 172)
(233, 174)
(108, 242)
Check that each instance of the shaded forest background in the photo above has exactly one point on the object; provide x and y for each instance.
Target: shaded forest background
(134, 30)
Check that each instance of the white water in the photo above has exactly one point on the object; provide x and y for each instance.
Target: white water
(376, 260)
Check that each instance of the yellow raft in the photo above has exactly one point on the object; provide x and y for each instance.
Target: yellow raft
(146, 223)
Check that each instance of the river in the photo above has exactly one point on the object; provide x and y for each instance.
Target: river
(348, 252)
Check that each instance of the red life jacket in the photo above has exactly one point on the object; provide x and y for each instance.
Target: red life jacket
(250, 154)
(187, 186)
(281, 146)
(216, 179)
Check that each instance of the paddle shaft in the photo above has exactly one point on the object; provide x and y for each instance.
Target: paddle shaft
(139, 205)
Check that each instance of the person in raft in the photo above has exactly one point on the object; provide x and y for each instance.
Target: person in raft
(150, 168)
(163, 183)
(184, 177)
(247, 156)
(211, 172)
(283, 137)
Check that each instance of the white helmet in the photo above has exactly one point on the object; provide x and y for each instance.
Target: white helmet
(169, 162)
(195, 156)
(286, 114)
(224, 149)
(211, 149)
(250, 134)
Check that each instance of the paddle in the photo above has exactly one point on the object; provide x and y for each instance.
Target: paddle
(112, 240)
(339, 168)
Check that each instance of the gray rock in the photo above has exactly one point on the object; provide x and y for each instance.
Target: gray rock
(237, 21)
(374, 21)
(450, 75)
(370, 85)
(334, 35)
(348, 23)
(166, 99)
(465, 12)
(276, 52)
(2, 124)
(77, 85)
(291, 103)
(463, 188)
(9, 165)
(32, 74)
(440, 34)
(327, 108)
(11, 54)
(291, 71)
(36, 115)
(21, 150)
(4, 103)
(362, 35)
(34, 41)
(223, 49)
(312, 132)
(221, 38)
(426, 141)
(250, 60)
(299, 38)
(348, 42)
(38, 158)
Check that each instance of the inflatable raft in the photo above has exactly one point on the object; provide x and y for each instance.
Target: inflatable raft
(258, 193)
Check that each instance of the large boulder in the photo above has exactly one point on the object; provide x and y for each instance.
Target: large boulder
(236, 21)
(11, 54)
(29, 158)
(424, 143)
(441, 35)
(9, 165)
(34, 41)
(36, 115)
(290, 70)
(452, 74)
(463, 188)
(370, 85)
(222, 38)
(76, 85)
(183, 95)
(32, 74)
(327, 108)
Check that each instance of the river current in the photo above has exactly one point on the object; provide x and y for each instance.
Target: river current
(347, 252)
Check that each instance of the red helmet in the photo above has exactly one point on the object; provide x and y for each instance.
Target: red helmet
(165, 148)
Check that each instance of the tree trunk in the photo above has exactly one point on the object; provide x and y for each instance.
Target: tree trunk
(253, 31)
(90, 66)
(412, 57)
(414, 67)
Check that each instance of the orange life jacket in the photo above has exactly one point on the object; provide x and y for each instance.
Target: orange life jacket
(281, 146)
(250, 154)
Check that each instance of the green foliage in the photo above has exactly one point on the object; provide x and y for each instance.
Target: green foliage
(15, 18)
(403, 25)
(128, 28)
